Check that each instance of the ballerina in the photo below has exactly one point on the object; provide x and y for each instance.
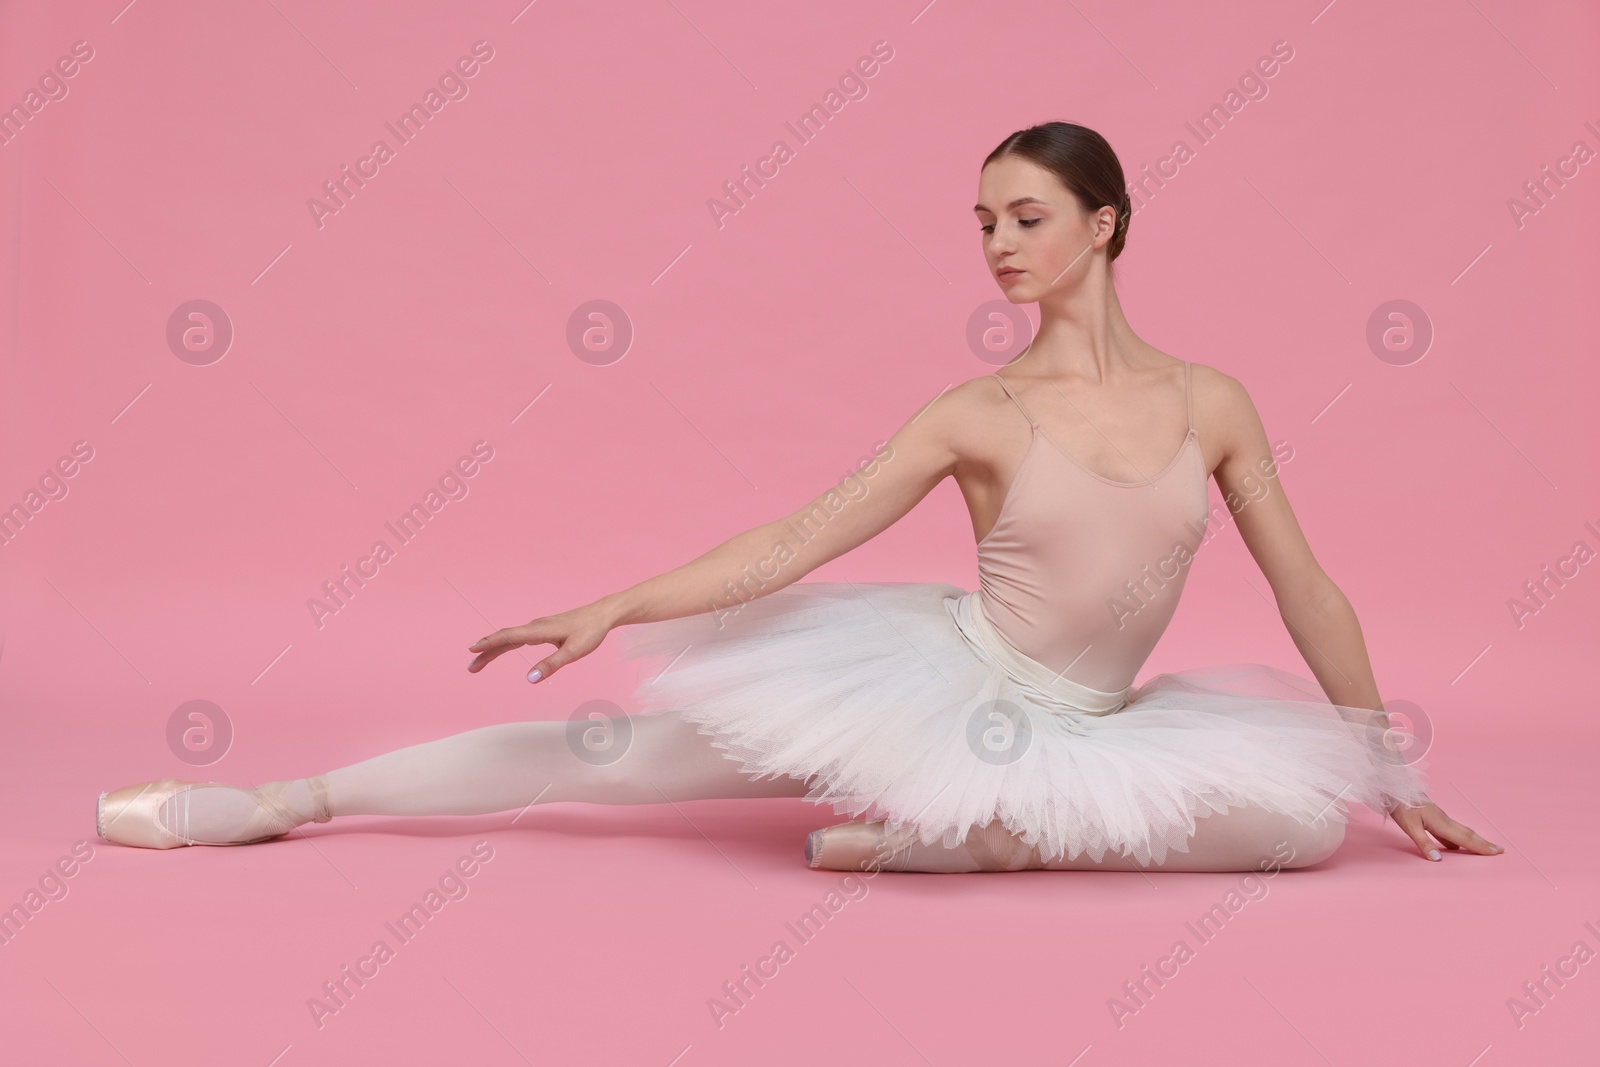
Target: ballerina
(996, 729)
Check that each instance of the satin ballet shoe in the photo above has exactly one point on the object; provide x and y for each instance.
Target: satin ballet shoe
(814, 849)
(857, 846)
(850, 846)
(132, 815)
(861, 846)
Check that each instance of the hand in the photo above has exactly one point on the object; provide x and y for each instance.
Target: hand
(1425, 819)
(575, 634)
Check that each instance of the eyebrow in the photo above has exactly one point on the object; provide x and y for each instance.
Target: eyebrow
(1018, 202)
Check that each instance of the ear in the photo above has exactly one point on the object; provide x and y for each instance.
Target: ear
(1105, 225)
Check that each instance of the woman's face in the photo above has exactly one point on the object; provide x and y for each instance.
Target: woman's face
(1031, 223)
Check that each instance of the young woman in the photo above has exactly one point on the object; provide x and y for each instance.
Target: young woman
(996, 729)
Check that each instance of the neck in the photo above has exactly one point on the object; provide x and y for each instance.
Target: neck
(1084, 334)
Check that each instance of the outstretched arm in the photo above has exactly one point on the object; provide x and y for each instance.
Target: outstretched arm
(1316, 613)
(762, 560)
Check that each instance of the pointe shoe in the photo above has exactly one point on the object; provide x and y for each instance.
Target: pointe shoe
(860, 846)
(854, 846)
(132, 815)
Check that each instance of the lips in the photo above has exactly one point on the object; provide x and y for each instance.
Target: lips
(1007, 272)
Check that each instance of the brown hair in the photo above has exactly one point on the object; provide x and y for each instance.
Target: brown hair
(1084, 162)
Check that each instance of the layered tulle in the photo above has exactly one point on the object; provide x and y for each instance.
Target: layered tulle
(873, 694)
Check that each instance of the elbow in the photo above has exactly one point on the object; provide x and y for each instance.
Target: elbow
(1315, 592)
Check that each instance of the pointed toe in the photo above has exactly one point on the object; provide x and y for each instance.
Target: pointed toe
(132, 815)
(814, 849)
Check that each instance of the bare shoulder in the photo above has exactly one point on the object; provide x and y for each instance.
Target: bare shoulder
(959, 405)
(1220, 388)
(980, 391)
(1222, 404)
(954, 428)
(974, 410)
(1231, 432)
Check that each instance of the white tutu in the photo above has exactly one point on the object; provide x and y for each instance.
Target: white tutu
(900, 702)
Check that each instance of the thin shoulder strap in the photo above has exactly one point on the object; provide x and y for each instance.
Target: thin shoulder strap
(1017, 400)
(1188, 390)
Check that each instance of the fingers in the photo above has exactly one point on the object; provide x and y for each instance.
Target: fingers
(572, 639)
(489, 649)
(1410, 820)
(478, 662)
(1420, 822)
(1456, 836)
(495, 640)
(549, 665)
(544, 667)
(500, 642)
(569, 649)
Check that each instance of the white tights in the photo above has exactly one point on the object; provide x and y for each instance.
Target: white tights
(1241, 839)
(514, 765)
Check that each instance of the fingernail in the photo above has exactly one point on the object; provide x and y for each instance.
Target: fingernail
(1433, 853)
(535, 674)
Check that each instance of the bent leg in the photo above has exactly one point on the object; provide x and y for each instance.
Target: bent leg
(1245, 838)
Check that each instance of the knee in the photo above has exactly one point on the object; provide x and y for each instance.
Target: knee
(1313, 844)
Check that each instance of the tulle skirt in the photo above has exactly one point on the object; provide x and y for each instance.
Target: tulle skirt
(900, 702)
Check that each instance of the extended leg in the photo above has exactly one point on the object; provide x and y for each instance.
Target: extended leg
(1242, 839)
(504, 767)
(494, 768)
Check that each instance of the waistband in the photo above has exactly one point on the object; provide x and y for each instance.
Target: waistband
(1061, 693)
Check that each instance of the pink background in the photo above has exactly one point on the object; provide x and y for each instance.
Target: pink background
(768, 356)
